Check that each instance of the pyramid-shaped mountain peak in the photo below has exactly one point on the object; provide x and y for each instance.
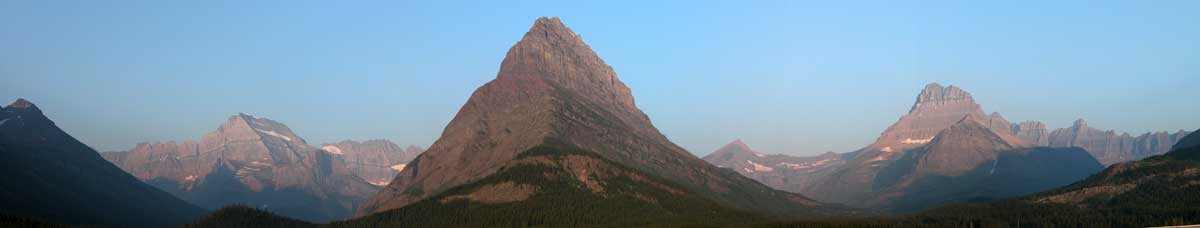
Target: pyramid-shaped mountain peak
(551, 55)
(553, 89)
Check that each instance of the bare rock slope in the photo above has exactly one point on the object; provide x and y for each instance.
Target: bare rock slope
(252, 161)
(553, 87)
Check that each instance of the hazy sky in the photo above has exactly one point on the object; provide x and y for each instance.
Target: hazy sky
(787, 77)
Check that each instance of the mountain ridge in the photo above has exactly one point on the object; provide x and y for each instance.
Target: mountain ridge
(50, 175)
(552, 86)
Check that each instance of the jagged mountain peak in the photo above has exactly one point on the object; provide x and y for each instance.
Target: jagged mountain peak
(934, 94)
(263, 127)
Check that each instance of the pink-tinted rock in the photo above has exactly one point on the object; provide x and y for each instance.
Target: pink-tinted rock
(253, 161)
(783, 172)
(1111, 148)
(553, 87)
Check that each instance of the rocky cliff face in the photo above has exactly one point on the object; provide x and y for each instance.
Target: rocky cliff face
(254, 161)
(783, 172)
(1032, 132)
(1110, 147)
(376, 160)
(48, 175)
(553, 87)
(936, 109)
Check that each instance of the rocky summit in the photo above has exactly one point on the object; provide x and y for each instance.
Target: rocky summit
(936, 108)
(968, 161)
(552, 88)
(253, 161)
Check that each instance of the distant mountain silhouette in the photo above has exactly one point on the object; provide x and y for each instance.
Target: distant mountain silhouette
(50, 176)
(783, 172)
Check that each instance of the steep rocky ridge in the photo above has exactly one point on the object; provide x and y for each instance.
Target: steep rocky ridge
(553, 86)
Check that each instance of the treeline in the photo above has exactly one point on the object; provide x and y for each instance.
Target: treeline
(563, 201)
(242, 216)
(18, 221)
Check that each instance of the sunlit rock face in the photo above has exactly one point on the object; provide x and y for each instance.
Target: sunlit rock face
(553, 87)
(1110, 147)
(1032, 132)
(254, 161)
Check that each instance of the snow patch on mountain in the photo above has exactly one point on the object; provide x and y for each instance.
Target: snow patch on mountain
(273, 133)
(760, 168)
(805, 165)
(333, 149)
(916, 141)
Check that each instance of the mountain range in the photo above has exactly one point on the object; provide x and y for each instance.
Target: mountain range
(866, 177)
(557, 140)
(257, 162)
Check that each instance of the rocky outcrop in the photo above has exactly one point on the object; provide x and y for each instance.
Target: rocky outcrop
(1110, 147)
(553, 87)
(1032, 132)
(51, 176)
(783, 172)
(253, 161)
(376, 160)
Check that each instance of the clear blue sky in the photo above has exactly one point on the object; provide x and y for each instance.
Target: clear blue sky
(787, 77)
